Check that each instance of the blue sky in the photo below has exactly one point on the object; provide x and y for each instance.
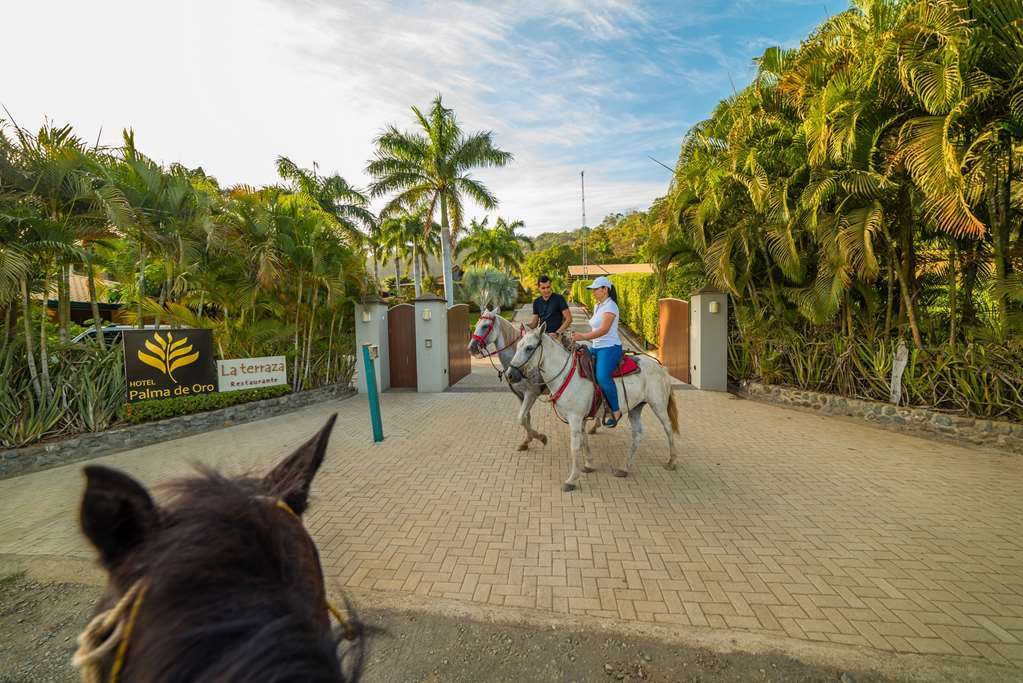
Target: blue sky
(566, 85)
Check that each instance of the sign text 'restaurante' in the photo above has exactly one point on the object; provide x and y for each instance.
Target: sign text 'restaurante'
(251, 373)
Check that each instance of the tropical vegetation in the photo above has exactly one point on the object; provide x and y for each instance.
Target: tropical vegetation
(865, 190)
(270, 270)
(429, 170)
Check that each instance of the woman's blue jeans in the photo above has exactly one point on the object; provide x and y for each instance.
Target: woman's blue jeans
(607, 361)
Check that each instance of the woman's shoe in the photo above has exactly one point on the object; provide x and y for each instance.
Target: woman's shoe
(612, 421)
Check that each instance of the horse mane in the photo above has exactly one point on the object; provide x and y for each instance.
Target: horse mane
(222, 602)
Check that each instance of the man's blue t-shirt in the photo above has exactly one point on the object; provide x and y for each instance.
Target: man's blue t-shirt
(550, 311)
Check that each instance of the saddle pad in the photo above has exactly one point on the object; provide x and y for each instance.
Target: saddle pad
(627, 366)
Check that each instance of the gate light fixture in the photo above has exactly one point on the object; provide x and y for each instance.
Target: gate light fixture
(427, 314)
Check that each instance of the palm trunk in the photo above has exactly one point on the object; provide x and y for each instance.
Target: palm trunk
(29, 350)
(952, 295)
(298, 312)
(330, 345)
(907, 299)
(416, 277)
(142, 281)
(445, 247)
(309, 336)
(890, 301)
(160, 303)
(1000, 235)
(397, 272)
(44, 354)
(90, 275)
(64, 302)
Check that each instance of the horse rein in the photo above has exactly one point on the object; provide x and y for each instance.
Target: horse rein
(109, 628)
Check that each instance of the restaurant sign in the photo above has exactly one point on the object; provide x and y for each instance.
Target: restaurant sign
(166, 363)
(251, 373)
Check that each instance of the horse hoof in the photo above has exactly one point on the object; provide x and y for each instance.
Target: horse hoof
(621, 473)
(568, 487)
(523, 447)
(587, 469)
(543, 439)
(670, 466)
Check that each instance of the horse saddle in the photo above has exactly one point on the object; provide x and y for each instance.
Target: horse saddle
(626, 366)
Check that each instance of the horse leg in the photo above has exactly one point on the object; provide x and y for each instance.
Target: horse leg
(592, 429)
(575, 423)
(528, 399)
(636, 422)
(587, 467)
(661, 411)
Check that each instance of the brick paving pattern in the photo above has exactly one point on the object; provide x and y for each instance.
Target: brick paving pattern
(776, 522)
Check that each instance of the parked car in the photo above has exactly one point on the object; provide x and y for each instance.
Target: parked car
(112, 333)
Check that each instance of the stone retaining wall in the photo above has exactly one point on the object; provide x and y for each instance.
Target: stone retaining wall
(995, 434)
(84, 446)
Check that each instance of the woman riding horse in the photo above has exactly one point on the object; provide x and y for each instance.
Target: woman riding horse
(607, 345)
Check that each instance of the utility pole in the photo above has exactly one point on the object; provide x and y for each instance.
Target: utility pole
(582, 185)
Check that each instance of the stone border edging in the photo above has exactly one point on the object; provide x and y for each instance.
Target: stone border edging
(18, 461)
(996, 434)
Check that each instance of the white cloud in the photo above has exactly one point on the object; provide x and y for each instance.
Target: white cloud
(229, 85)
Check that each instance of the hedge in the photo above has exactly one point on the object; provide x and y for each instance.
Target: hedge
(161, 409)
(638, 296)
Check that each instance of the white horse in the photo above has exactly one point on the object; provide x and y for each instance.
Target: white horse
(495, 336)
(573, 395)
(494, 331)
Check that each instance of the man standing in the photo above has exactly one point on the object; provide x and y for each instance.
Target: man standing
(550, 308)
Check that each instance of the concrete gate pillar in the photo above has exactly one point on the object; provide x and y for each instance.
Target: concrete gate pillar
(431, 343)
(371, 328)
(708, 339)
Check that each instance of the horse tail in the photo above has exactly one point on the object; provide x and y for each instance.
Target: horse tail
(672, 410)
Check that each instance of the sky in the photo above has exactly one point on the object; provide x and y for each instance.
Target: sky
(565, 85)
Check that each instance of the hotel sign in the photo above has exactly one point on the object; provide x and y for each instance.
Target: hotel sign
(168, 362)
(251, 373)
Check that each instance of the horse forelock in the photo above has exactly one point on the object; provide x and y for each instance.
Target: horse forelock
(235, 590)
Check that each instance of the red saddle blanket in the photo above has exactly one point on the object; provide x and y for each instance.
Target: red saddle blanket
(626, 366)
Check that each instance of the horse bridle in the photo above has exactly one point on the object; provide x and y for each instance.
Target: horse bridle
(481, 339)
(539, 364)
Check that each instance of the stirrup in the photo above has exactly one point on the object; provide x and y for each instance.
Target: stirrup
(611, 422)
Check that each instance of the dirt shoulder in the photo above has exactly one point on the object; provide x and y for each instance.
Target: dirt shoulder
(40, 620)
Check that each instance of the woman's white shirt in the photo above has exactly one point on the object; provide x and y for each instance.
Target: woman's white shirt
(610, 338)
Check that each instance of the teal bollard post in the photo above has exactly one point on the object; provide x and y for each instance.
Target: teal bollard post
(368, 353)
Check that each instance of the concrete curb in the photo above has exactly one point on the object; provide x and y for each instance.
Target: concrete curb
(18, 461)
(999, 435)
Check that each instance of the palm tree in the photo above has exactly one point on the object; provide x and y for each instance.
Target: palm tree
(430, 169)
(346, 205)
(498, 247)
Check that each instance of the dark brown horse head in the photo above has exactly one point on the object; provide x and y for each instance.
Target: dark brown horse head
(232, 588)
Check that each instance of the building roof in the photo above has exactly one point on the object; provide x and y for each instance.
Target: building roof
(594, 269)
(80, 288)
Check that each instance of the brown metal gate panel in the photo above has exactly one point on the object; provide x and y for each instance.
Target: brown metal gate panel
(459, 364)
(673, 337)
(401, 341)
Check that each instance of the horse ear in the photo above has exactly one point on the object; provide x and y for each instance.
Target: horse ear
(117, 514)
(496, 311)
(543, 327)
(291, 479)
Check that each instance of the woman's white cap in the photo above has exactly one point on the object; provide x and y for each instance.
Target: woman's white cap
(599, 282)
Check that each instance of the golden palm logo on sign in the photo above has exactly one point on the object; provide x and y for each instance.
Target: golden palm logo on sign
(168, 354)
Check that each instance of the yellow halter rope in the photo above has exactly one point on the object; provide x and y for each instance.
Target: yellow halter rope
(108, 628)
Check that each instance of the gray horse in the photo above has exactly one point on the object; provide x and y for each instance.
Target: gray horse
(651, 386)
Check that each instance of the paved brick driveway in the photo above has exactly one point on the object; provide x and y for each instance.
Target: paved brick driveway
(777, 522)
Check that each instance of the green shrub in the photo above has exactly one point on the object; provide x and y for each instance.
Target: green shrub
(638, 296)
(161, 409)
